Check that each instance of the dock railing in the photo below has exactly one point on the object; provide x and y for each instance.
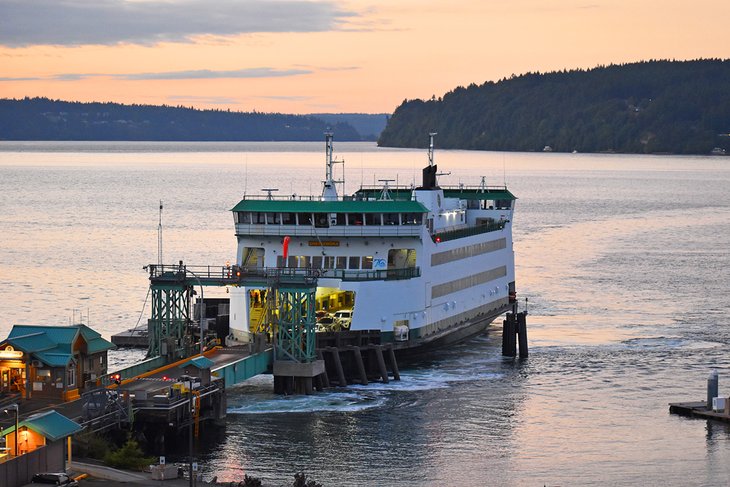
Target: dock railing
(132, 371)
(237, 275)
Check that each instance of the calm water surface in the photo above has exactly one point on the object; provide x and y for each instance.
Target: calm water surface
(624, 259)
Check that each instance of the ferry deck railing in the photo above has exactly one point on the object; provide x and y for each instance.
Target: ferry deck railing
(468, 232)
(237, 275)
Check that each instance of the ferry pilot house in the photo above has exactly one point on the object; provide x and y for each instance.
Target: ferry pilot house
(52, 362)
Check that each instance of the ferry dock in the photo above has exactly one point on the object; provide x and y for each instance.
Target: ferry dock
(698, 409)
(715, 407)
(58, 373)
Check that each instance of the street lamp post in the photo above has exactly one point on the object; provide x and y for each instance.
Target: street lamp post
(14, 407)
(190, 431)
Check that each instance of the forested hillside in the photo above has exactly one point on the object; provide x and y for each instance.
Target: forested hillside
(647, 107)
(368, 125)
(44, 119)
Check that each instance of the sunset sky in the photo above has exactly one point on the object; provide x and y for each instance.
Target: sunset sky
(299, 56)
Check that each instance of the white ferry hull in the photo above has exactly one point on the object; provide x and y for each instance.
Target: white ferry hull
(426, 267)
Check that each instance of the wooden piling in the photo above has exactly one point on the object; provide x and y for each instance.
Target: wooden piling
(359, 364)
(378, 349)
(509, 342)
(522, 333)
(335, 354)
(393, 362)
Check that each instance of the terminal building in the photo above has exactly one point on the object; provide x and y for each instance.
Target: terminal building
(53, 362)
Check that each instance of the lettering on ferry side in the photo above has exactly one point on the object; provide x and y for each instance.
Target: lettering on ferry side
(324, 243)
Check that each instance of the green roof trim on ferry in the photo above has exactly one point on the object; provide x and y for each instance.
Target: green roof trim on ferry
(464, 194)
(476, 194)
(353, 206)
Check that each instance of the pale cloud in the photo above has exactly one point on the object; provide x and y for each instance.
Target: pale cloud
(208, 100)
(5, 78)
(175, 75)
(285, 98)
(107, 22)
(210, 74)
(73, 76)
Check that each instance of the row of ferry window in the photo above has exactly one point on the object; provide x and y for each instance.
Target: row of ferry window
(324, 220)
(326, 262)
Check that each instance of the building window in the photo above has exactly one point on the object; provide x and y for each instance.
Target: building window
(372, 219)
(411, 218)
(354, 219)
(390, 218)
(288, 219)
(321, 220)
(71, 376)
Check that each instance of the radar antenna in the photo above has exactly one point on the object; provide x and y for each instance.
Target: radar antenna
(329, 191)
(385, 192)
(159, 239)
(430, 147)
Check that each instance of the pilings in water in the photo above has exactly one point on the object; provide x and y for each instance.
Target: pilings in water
(296, 378)
(360, 364)
(340, 366)
(514, 330)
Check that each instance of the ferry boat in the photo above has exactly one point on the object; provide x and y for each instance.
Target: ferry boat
(425, 266)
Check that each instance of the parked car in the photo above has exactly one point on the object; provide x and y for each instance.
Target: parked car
(344, 318)
(327, 323)
(59, 478)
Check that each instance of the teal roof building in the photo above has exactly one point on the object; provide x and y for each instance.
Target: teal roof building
(51, 361)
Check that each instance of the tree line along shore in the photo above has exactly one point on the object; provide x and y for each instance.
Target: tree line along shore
(648, 107)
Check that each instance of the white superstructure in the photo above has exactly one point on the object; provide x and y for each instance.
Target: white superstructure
(425, 266)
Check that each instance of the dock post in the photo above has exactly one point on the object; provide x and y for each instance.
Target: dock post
(393, 363)
(509, 344)
(381, 362)
(341, 380)
(713, 382)
(279, 387)
(359, 364)
(522, 333)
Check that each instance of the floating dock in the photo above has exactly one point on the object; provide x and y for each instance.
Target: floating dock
(698, 409)
(134, 337)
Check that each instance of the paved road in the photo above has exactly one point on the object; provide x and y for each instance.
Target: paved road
(100, 475)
